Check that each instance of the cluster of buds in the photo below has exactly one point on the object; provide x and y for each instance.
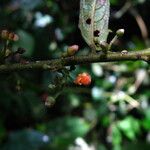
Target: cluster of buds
(10, 36)
(7, 55)
(83, 79)
(119, 33)
(71, 50)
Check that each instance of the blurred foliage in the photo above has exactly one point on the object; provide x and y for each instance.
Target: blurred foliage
(112, 113)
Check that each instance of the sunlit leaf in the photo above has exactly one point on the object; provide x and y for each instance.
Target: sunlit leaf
(116, 135)
(93, 21)
(130, 127)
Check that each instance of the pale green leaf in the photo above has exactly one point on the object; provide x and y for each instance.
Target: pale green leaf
(93, 21)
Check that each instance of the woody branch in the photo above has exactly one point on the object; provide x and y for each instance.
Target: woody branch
(60, 63)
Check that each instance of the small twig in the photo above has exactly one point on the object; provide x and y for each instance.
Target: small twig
(112, 42)
(5, 47)
(141, 23)
(123, 10)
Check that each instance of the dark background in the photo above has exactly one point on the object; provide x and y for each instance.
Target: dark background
(102, 114)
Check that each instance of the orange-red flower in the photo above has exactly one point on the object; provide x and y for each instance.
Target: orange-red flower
(83, 79)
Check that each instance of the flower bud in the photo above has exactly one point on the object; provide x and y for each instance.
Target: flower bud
(124, 52)
(120, 32)
(13, 37)
(71, 50)
(4, 34)
(83, 79)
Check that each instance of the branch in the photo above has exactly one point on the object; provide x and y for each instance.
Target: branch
(141, 24)
(56, 64)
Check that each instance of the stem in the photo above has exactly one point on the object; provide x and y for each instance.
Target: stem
(5, 47)
(112, 42)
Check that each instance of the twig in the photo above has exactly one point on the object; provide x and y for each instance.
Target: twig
(141, 24)
(123, 10)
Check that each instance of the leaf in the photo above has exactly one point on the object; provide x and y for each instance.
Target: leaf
(146, 121)
(93, 21)
(116, 135)
(130, 127)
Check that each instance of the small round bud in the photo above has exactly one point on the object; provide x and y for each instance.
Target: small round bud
(120, 32)
(13, 37)
(83, 79)
(124, 52)
(16, 37)
(4, 34)
(71, 50)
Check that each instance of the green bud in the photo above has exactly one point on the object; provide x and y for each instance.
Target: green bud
(120, 32)
(4, 34)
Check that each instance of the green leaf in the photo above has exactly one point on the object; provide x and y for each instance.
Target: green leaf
(130, 127)
(93, 21)
(116, 135)
(146, 120)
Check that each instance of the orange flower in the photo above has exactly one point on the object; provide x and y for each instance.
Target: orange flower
(83, 79)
